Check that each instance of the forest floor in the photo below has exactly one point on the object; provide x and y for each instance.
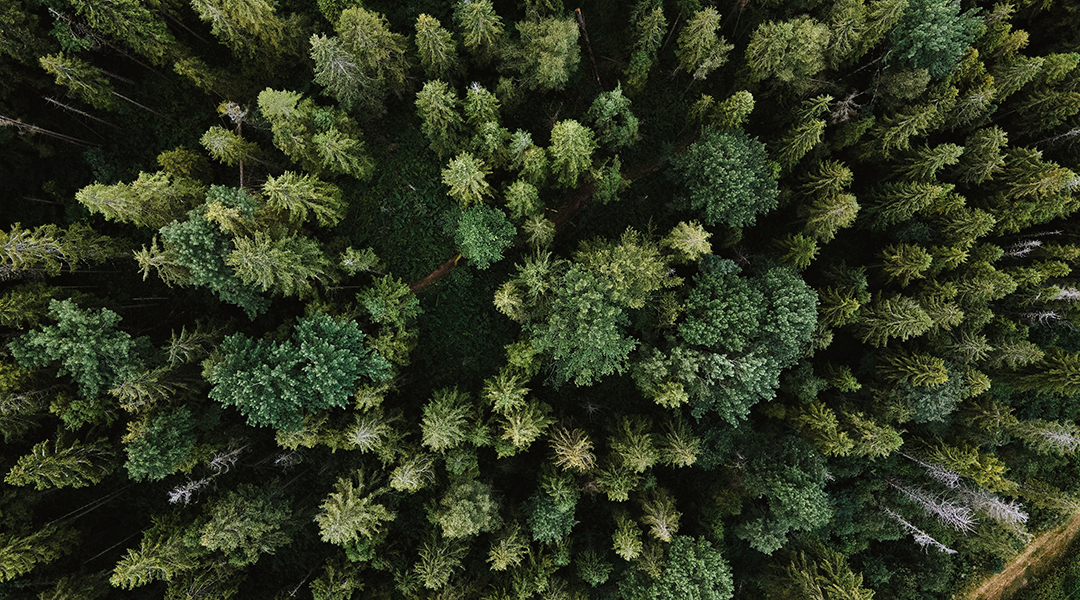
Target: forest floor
(1043, 550)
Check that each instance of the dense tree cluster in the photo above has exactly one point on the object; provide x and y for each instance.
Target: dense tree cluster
(667, 299)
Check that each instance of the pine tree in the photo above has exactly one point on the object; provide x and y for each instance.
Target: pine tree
(898, 202)
(227, 147)
(86, 343)
(276, 383)
(249, 29)
(792, 51)
(504, 392)
(572, 449)
(933, 35)
(572, 147)
(348, 514)
(57, 465)
(547, 54)
(481, 106)
(926, 162)
(437, 49)
(829, 213)
(904, 262)
(85, 81)
(465, 175)
(153, 200)
(296, 195)
(627, 538)
(728, 177)
(798, 250)
(649, 28)
(481, 29)
(659, 515)
(804, 134)
(244, 524)
(483, 233)
(896, 317)
(20, 554)
(610, 116)
(288, 266)
(631, 441)
(688, 242)
(1057, 373)
(341, 153)
(701, 49)
(446, 420)
(920, 370)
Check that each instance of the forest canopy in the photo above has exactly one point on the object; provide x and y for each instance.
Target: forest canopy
(661, 299)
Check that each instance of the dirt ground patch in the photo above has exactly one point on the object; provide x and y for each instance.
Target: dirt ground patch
(1041, 550)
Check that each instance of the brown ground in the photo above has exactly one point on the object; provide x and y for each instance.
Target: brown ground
(1039, 552)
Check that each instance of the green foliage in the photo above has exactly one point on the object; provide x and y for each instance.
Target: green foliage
(85, 81)
(436, 47)
(446, 420)
(723, 310)
(349, 514)
(694, 570)
(289, 266)
(465, 175)
(20, 554)
(153, 200)
(572, 147)
(546, 54)
(467, 509)
(362, 63)
(157, 448)
(437, 104)
(649, 28)
(244, 524)
(548, 521)
(610, 116)
(247, 28)
(933, 35)
(727, 178)
(317, 138)
(701, 49)
(792, 51)
(481, 29)
(483, 234)
(297, 195)
(57, 465)
(583, 335)
(276, 383)
(87, 344)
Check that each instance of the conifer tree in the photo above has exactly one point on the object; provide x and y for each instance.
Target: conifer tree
(446, 420)
(701, 49)
(481, 29)
(153, 200)
(296, 195)
(792, 51)
(56, 465)
(244, 524)
(85, 81)
(572, 147)
(465, 175)
(349, 514)
(728, 177)
(288, 266)
(896, 317)
(547, 53)
(483, 234)
(247, 28)
(20, 554)
(437, 49)
(88, 345)
(649, 28)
